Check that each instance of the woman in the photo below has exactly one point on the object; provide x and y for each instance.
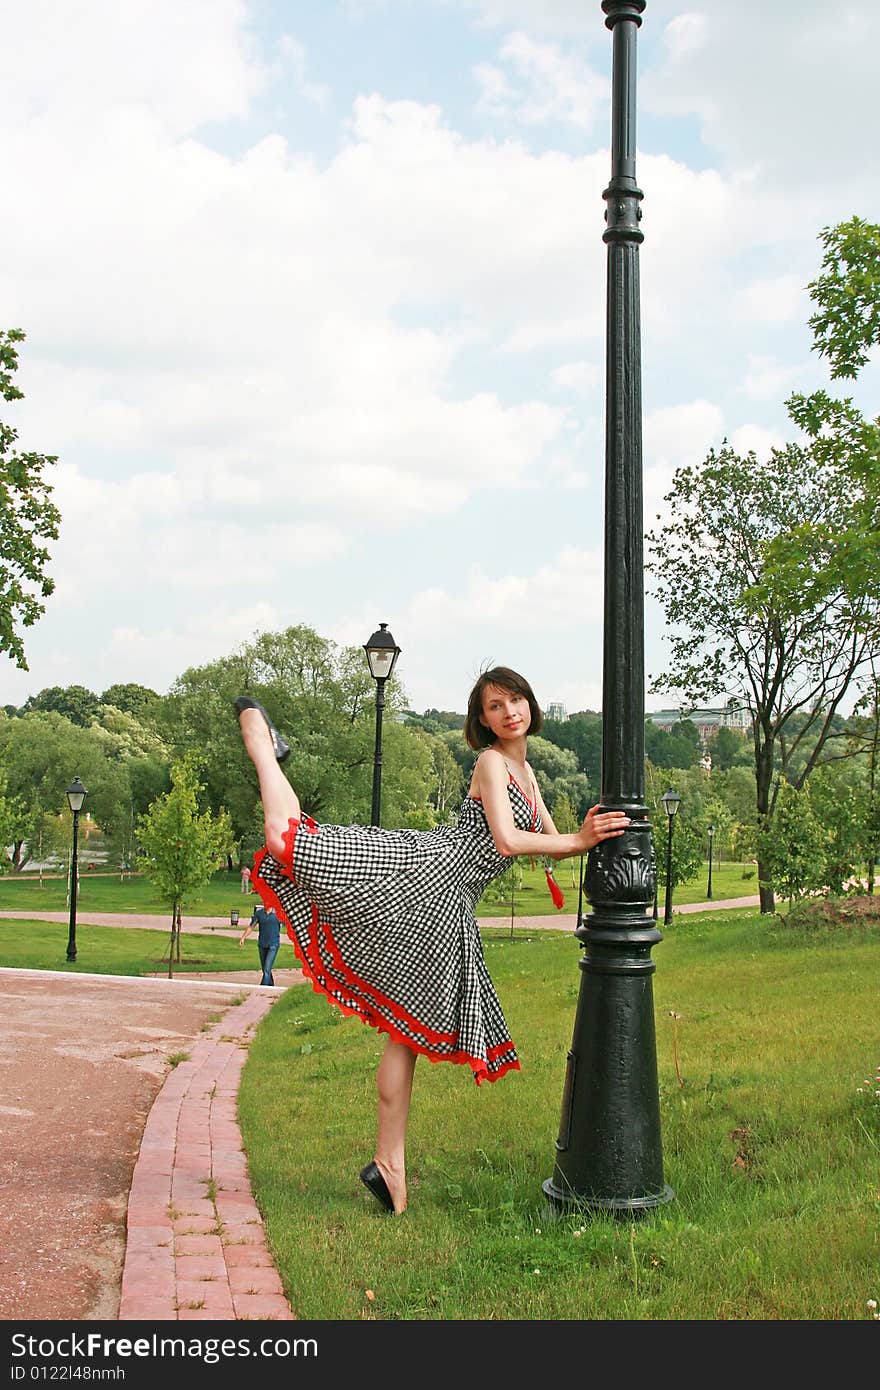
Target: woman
(383, 920)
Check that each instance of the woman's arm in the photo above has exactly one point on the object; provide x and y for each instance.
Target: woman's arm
(247, 931)
(511, 841)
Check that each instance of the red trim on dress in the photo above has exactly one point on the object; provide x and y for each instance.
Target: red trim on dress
(362, 1009)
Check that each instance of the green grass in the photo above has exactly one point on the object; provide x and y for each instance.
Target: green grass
(770, 1148)
(102, 892)
(34, 945)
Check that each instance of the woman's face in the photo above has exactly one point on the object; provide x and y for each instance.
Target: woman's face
(505, 714)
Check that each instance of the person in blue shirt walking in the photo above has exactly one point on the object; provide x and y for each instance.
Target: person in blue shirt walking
(268, 939)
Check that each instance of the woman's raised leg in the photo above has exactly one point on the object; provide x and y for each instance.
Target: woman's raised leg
(280, 801)
(394, 1080)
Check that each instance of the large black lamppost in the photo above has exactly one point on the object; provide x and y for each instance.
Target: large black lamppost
(382, 654)
(711, 839)
(671, 802)
(76, 795)
(608, 1153)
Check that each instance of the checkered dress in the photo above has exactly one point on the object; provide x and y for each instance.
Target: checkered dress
(383, 924)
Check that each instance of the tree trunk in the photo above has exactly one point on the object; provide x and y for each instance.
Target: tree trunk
(763, 783)
(171, 942)
(765, 891)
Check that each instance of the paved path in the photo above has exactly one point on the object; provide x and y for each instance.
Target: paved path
(124, 1182)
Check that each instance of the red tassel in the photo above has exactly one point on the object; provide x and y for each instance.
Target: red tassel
(555, 890)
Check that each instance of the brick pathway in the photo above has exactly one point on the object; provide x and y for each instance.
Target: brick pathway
(196, 1246)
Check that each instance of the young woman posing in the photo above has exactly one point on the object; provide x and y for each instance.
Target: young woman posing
(383, 920)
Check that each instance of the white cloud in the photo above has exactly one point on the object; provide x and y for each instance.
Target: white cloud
(775, 300)
(768, 379)
(540, 83)
(579, 377)
(757, 438)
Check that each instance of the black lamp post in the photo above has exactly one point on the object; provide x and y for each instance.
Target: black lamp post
(382, 654)
(76, 795)
(671, 802)
(608, 1153)
(711, 839)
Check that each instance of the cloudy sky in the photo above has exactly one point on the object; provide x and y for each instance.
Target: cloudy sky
(314, 301)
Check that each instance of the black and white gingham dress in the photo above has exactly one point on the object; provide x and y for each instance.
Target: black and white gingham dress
(383, 923)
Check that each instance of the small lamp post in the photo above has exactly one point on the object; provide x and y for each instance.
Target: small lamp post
(671, 803)
(382, 653)
(711, 829)
(76, 795)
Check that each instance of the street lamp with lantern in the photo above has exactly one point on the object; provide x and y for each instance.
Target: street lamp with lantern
(711, 838)
(671, 802)
(382, 653)
(76, 795)
(608, 1152)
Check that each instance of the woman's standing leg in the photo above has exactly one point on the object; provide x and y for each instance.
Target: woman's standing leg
(280, 801)
(394, 1080)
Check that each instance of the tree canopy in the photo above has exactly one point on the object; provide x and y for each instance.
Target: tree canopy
(28, 518)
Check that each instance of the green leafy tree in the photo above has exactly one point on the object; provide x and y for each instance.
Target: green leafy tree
(137, 700)
(728, 749)
(41, 753)
(565, 818)
(582, 734)
(793, 851)
(10, 816)
(675, 747)
(181, 847)
(787, 653)
(323, 698)
(28, 518)
(505, 887)
(75, 702)
(839, 801)
(787, 563)
(846, 324)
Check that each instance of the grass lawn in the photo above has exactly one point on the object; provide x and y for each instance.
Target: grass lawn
(34, 945)
(771, 1143)
(102, 892)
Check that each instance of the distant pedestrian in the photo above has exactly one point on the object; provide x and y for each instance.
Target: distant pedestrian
(268, 940)
(245, 879)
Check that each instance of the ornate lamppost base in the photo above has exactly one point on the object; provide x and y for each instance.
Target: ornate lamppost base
(615, 1206)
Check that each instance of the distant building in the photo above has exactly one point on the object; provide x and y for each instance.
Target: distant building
(556, 711)
(706, 721)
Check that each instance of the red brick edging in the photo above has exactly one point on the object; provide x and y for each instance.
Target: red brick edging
(196, 1246)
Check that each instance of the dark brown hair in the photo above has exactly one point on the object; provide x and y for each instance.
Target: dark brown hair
(475, 731)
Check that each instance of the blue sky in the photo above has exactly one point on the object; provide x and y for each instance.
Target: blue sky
(314, 296)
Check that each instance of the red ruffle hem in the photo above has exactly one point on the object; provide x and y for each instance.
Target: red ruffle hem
(324, 966)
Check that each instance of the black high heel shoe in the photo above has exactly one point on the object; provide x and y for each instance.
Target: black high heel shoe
(371, 1177)
(280, 745)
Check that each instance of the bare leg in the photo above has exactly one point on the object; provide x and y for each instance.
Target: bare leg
(394, 1081)
(280, 801)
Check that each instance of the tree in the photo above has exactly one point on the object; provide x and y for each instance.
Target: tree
(181, 847)
(75, 702)
(785, 650)
(675, 747)
(565, 819)
(582, 733)
(323, 697)
(846, 325)
(727, 748)
(801, 582)
(27, 519)
(793, 851)
(134, 699)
